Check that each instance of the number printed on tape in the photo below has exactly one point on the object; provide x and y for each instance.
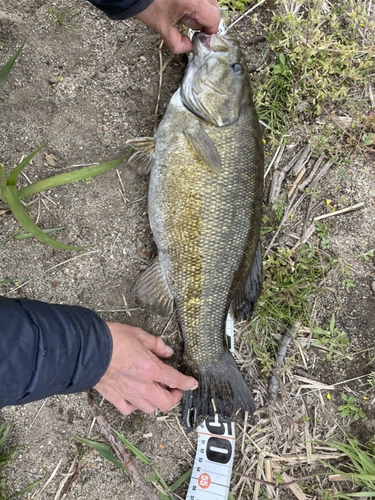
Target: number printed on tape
(213, 463)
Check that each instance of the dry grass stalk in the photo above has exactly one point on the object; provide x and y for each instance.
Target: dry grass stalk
(277, 181)
(302, 160)
(286, 168)
(301, 173)
(342, 211)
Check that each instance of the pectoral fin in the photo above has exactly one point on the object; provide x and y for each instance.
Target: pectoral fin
(142, 158)
(151, 290)
(243, 303)
(204, 147)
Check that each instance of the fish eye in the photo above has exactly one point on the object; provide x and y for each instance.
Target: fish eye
(237, 68)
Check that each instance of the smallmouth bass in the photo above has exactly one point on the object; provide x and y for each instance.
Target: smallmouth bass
(205, 199)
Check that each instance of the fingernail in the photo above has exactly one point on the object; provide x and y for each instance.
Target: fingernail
(195, 386)
(169, 350)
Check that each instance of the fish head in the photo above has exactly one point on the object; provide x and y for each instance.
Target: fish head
(216, 81)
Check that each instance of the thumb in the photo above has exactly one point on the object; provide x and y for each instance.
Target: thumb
(176, 42)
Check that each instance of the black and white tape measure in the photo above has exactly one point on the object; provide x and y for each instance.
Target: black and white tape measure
(213, 463)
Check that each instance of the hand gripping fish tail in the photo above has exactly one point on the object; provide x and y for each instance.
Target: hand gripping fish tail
(222, 390)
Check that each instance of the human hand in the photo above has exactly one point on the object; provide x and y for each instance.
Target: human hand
(162, 16)
(136, 378)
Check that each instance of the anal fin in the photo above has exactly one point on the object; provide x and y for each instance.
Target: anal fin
(151, 290)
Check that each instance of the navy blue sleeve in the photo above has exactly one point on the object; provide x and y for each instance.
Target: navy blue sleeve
(48, 349)
(121, 9)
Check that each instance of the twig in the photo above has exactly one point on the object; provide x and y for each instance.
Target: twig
(312, 175)
(283, 220)
(49, 479)
(121, 453)
(276, 158)
(160, 83)
(342, 211)
(127, 311)
(301, 173)
(246, 14)
(277, 181)
(64, 480)
(37, 414)
(371, 96)
(292, 162)
(274, 382)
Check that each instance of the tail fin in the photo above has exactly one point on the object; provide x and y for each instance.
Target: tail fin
(222, 389)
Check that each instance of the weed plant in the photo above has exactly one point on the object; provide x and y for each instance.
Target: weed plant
(11, 196)
(358, 468)
(239, 5)
(60, 16)
(291, 280)
(322, 60)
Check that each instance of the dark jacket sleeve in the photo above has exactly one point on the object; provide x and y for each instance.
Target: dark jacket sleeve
(121, 9)
(48, 349)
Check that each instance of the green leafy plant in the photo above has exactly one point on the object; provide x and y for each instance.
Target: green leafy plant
(290, 280)
(349, 409)
(319, 56)
(369, 255)
(11, 196)
(235, 4)
(323, 232)
(358, 468)
(334, 340)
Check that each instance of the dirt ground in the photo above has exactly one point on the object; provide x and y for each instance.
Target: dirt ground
(86, 87)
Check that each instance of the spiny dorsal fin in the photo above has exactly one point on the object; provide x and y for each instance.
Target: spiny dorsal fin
(243, 303)
(204, 147)
(151, 290)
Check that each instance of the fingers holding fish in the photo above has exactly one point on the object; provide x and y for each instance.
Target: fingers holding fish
(136, 378)
(162, 16)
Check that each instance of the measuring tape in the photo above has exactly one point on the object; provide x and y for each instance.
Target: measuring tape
(213, 463)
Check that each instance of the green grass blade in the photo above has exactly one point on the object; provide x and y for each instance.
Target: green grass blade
(5, 70)
(29, 488)
(230, 496)
(20, 214)
(181, 480)
(68, 177)
(103, 449)
(132, 448)
(3, 180)
(362, 494)
(13, 176)
(4, 431)
(24, 236)
(162, 496)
